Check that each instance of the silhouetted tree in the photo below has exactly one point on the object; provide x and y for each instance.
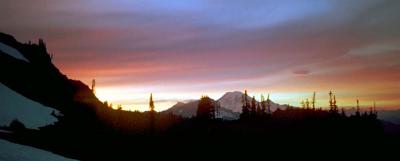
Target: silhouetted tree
(307, 104)
(313, 101)
(332, 103)
(152, 113)
(205, 108)
(253, 106)
(358, 114)
(374, 113)
(263, 105)
(365, 115)
(258, 110)
(151, 103)
(371, 114)
(335, 107)
(245, 107)
(269, 105)
(93, 86)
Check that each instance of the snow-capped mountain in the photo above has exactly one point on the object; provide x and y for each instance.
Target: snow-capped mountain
(230, 102)
(184, 109)
(189, 109)
(233, 101)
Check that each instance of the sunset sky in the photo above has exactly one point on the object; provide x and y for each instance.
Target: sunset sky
(179, 50)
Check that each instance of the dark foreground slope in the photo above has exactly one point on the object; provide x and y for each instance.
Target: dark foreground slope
(88, 129)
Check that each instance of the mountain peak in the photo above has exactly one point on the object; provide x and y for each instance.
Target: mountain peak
(233, 101)
(231, 105)
(233, 93)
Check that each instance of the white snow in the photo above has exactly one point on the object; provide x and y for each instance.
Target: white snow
(233, 101)
(15, 152)
(15, 106)
(12, 52)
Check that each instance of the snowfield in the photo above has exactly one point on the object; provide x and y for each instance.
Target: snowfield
(15, 152)
(15, 106)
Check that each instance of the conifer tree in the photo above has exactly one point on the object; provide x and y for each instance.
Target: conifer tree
(93, 86)
(268, 105)
(151, 103)
(258, 110)
(205, 108)
(152, 114)
(313, 101)
(375, 112)
(332, 103)
(245, 107)
(253, 106)
(358, 109)
(335, 108)
(263, 105)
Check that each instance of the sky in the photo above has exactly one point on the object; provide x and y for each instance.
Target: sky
(181, 49)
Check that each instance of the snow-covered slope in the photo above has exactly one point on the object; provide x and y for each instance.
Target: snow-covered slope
(15, 152)
(232, 101)
(15, 106)
(12, 52)
(184, 109)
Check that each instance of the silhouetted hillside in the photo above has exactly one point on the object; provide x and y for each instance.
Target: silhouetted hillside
(39, 80)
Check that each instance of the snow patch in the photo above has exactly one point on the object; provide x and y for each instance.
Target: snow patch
(15, 106)
(12, 52)
(15, 152)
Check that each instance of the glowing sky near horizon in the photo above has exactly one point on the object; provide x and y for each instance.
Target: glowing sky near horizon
(179, 50)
